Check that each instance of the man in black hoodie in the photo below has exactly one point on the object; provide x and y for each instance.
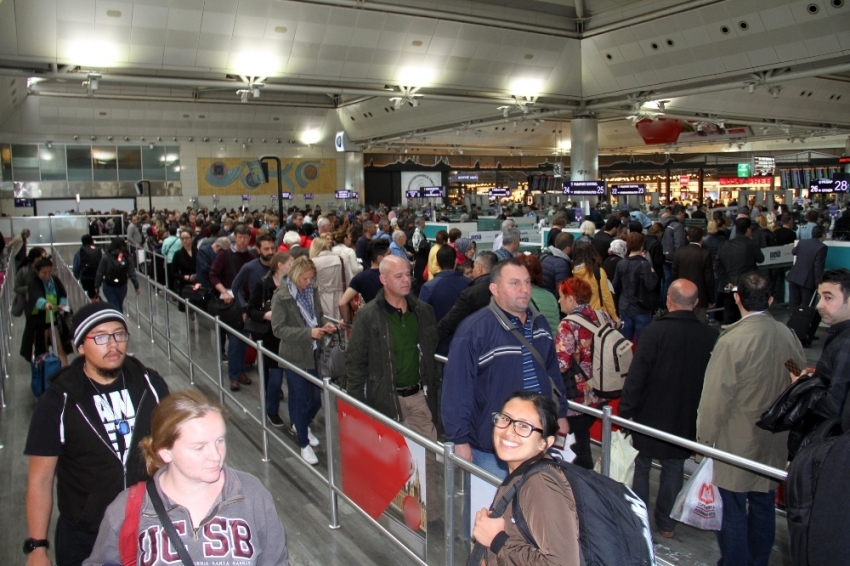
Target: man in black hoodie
(85, 432)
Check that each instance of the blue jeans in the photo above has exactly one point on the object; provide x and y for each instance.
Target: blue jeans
(668, 278)
(275, 380)
(746, 536)
(115, 295)
(305, 400)
(490, 462)
(672, 479)
(236, 350)
(634, 324)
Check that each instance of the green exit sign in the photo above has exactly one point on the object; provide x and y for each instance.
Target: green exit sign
(745, 169)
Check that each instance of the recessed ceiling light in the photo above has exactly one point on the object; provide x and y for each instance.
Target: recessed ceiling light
(280, 29)
(416, 43)
(113, 13)
(529, 56)
(185, 115)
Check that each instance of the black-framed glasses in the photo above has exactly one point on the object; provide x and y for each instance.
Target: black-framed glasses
(103, 339)
(522, 428)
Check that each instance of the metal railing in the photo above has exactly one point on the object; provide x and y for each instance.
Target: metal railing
(453, 469)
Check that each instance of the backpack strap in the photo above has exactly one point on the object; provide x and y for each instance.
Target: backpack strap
(165, 520)
(128, 536)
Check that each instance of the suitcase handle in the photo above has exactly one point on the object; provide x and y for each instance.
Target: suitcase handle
(53, 334)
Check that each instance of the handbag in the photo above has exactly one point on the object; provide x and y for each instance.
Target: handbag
(195, 293)
(259, 327)
(623, 456)
(18, 305)
(332, 358)
(699, 504)
(165, 520)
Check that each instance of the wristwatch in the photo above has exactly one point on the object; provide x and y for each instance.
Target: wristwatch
(31, 544)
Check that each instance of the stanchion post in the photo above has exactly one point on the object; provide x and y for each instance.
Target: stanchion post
(606, 441)
(448, 501)
(167, 327)
(329, 443)
(261, 366)
(150, 306)
(218, 359)
(189, 342)
(138, 314)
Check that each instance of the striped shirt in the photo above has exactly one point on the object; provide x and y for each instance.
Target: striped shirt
(530, 381)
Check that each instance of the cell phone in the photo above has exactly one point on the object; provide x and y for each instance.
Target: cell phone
(792, 366)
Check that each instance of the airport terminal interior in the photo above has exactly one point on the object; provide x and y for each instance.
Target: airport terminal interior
(437, 104)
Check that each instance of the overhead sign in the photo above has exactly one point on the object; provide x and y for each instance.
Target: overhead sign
(308, 196)
(763, 166)
(628, 189)
(432, 192)
(844, 159)
(286, 196)
(745, 169)
(413, 193)
(341, 141)
(24, 203)
(684, 179)
(465, 177)
(828, 186)
(499, 192)
(342, 194)
(584, 187)
(246, 196)
(745, 180)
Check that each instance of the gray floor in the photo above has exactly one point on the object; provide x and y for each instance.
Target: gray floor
(302, 500)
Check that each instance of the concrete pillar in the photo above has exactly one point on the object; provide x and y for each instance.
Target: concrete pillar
(584, 148)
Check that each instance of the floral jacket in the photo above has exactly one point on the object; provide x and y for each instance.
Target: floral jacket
(573, 344)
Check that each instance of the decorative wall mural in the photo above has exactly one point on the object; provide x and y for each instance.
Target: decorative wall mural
(230, 176)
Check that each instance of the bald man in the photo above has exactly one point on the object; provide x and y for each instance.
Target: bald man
(663, 391)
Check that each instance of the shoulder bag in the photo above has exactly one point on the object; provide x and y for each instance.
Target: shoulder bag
(165, 520)
(259, 328)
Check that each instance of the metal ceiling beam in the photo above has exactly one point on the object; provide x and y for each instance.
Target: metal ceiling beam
(441, 15)
(149, 81)
(590, 31)
(50, 94)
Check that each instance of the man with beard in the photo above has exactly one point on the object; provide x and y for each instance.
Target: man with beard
(85, 432)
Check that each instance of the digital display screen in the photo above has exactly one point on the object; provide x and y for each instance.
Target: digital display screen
(499, 192)
(25, 203)
(584, 187)
(355, 196)
(286, 196)
(342, 194)
(246, 196)
(413, 193)
(628, 189)
(308, 196)
(829, 186)
(432, 192)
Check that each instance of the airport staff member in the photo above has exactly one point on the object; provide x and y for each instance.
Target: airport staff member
(85, 433)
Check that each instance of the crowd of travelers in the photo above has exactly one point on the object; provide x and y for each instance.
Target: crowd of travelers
(517, 330)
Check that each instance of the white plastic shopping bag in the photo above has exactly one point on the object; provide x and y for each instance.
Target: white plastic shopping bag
(699, 504)
(623, 457)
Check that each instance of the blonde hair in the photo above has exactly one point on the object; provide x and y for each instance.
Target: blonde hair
(588, 228)
(318, 246)
(168, 417)
(761, 220)
(712, 227)
(300, 266)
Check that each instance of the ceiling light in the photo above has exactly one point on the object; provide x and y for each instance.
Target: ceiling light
(49, 145)
(751, 88)
(150, 145)
(244, 146)
(311, 137)
(243, 95)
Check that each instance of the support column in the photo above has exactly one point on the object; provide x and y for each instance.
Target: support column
(700, 188)
(584, 152)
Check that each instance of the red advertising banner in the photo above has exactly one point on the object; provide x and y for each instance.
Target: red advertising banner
(376, 462)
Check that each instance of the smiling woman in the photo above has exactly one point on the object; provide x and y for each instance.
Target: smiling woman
(213, 511)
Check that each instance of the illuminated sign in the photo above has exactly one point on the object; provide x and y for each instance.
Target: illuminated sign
(343, 194)
(413, 193)
(684, 179)
(745, 180)
(499, 192)
(628, 189)
(308, 196)
(828, 186)
(584, 187)
(286, 196)
(763, 166)
(844, 159)
(745, 169)
(463, 177)
(432, 192)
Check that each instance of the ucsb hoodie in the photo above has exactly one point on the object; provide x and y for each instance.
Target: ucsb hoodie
(241, 529)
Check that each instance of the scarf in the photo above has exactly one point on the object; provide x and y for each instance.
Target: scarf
(304, 300)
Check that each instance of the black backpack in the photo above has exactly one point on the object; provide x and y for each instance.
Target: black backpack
(816, 499)
(116, 270)
(89, 262)
(613, 522)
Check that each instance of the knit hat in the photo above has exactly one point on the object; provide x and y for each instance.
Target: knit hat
(92, 315)
(618, 247)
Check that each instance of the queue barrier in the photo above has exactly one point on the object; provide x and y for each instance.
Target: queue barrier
(453, 469)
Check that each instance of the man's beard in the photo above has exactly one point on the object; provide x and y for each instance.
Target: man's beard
(107, 373)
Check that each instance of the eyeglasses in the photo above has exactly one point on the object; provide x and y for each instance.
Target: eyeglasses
(522, 428)
(103, 339)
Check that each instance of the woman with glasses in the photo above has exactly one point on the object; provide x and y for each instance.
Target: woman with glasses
(523, 431)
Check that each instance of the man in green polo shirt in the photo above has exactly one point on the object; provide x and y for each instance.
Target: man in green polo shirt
(389, 361)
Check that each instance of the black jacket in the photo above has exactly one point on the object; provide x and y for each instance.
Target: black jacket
(89, 473)
(475, 297)
(811, 258)
(736, 257)
(693, 262)
(602, 241)
(664, 384)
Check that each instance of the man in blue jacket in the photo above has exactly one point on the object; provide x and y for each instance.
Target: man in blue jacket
(489, 359)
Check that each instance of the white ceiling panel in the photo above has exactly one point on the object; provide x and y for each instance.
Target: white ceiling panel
(184, 20)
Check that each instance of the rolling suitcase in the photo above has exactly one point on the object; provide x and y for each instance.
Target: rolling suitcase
(44, 366)
(804, 321)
